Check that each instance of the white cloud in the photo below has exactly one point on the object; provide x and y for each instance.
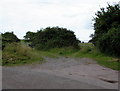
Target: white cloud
(21, 16)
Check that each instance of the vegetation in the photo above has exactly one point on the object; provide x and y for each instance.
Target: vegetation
(88, 50)
(8, 37)
(16, 53)
(0, 42)
(57, 42)
(107, 30)
(0, 49)
(54, 37)
(19, 53)
(29, 36)
(0, 57)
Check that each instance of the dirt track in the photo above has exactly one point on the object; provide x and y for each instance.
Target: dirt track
(61, 73)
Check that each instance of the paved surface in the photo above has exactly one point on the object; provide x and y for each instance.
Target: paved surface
(60, 73)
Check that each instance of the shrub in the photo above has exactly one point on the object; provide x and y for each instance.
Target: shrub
(54, 37)
(8, 37)
(109, 43)
(107, 30)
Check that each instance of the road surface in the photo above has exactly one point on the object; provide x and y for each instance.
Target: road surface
(60, 73)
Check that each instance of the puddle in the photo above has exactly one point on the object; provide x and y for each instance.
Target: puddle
(107, 80)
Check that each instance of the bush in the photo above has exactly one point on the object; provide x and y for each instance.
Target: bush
(110, 43)
(9, 37)
(54, 37)
(107, 30)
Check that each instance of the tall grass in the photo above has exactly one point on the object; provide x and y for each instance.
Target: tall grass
(17, 53)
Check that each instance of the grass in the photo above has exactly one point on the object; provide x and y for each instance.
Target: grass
(58, 52)
(17, 54)
(88, 50)
(66, 51)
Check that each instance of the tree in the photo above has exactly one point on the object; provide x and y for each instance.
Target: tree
(109, 43)
(29, 36)
(54, 37)
(107, 30)
(9, 37)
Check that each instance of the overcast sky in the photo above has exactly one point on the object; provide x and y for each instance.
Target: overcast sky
(21, 16)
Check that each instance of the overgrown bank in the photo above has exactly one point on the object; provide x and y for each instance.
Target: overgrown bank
(17, 54)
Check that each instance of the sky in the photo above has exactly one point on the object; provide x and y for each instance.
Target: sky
(21, 16)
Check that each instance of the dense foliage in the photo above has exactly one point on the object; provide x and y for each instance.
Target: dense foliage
(29, 36)
(107, 30)
(54, 37)
(8, 37)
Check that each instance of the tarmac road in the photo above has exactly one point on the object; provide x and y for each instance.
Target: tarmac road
(54, 74)
(27, 79)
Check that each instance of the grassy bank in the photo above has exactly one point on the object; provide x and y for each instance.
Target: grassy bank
(17, 54)
(88, 50)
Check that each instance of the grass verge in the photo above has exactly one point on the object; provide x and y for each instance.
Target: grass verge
(88, 50)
